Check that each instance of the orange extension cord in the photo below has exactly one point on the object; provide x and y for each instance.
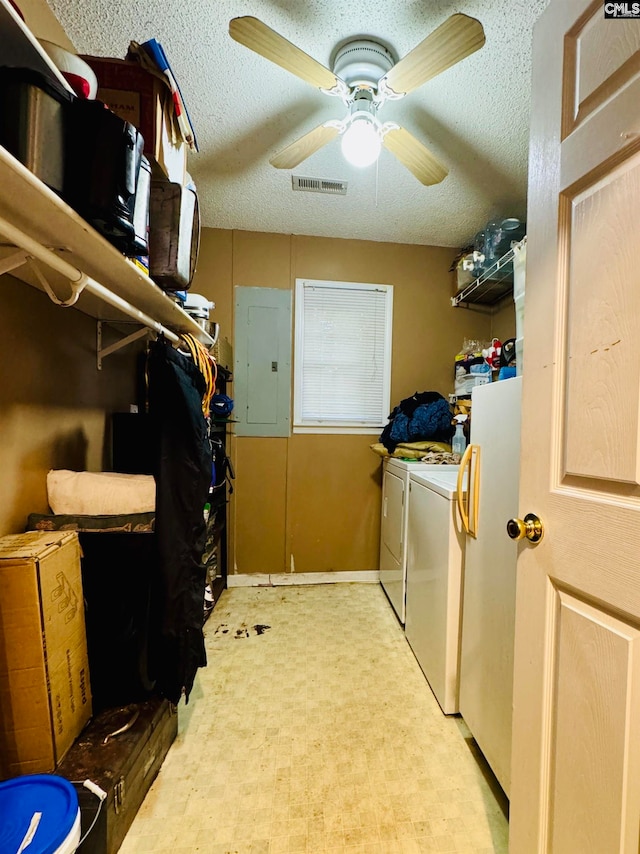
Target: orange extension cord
(207, 366)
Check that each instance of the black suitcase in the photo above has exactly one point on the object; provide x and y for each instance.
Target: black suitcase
(125, 767)
(106, 179)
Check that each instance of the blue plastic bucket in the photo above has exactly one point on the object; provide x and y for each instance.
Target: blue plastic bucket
(39, 814)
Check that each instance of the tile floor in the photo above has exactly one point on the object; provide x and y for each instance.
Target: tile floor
(313, 729)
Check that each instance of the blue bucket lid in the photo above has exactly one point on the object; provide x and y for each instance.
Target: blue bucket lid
(23, 797)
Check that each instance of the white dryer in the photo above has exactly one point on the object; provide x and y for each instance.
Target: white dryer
(435, 561)
(393, 527)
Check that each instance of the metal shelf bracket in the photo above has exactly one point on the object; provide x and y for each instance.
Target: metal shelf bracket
(103, 352)
(12, 262)
(22, 257)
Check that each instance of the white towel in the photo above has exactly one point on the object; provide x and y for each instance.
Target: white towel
(103, 493)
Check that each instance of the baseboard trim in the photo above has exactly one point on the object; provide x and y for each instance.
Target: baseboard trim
(291, 579)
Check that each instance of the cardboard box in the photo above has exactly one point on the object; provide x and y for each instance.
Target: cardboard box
(45, 694)
(143, 98)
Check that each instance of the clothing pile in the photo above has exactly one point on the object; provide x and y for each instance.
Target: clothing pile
(424, 415)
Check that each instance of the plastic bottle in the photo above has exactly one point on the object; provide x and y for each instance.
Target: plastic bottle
(459, 441)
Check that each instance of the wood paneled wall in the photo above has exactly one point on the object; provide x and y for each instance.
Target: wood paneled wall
(310, 503)
(54, 403)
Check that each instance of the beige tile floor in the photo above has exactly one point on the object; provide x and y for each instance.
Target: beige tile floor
(319, 734)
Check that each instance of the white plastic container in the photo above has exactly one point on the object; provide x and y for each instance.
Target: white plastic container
(45, 816)
(198, 306)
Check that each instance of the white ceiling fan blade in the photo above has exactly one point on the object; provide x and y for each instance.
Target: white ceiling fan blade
(414, 156)
(255, 35)
(458, 37)
(304, 147)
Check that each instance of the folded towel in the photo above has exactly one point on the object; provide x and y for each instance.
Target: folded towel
(102, 493)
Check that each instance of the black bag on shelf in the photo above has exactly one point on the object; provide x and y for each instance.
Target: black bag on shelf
(106, 178)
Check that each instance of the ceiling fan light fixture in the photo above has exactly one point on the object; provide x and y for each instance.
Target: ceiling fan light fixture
(362, 141)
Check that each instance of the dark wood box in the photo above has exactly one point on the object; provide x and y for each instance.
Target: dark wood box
(125, 767)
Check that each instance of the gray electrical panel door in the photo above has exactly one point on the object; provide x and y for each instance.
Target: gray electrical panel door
(262, 367)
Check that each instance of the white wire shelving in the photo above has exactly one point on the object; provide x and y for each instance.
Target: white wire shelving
(495, 283)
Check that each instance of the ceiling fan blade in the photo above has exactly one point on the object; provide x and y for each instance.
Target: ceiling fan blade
(458, 37)
(415, 156)
(255, 35)
(304, 147)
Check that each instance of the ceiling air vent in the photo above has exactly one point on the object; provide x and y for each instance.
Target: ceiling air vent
(319, 185)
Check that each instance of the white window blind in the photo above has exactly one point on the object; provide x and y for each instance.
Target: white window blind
(342, 354)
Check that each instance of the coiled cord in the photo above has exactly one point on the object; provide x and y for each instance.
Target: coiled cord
(208, 368)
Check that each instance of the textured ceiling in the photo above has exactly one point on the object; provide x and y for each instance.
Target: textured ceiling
(474, 116)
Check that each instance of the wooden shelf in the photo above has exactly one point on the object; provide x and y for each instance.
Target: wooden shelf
(34, 209)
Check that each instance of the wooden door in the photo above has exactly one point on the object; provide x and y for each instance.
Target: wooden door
(576, 745)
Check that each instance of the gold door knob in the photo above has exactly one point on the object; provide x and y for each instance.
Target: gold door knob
(530, 527)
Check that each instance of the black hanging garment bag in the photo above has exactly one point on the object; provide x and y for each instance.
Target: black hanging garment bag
(182, 453)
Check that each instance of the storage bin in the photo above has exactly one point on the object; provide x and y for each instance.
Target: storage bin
(174, 235)
(33, 113)
(53, 800)
(465, 384)
(199, 307)
(465, 271)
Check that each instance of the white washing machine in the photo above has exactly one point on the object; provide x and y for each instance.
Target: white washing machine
(435, 560)
(393, 526)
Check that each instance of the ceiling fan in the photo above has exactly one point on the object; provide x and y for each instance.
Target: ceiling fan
(364, 76)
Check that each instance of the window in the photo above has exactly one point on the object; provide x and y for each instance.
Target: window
(342, 365)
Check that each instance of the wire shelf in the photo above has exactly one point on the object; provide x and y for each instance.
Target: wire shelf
(495, 283)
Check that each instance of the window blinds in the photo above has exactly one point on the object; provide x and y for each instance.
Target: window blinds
(343, 350)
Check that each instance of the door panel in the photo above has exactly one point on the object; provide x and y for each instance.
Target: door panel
(593, 647)
(602, 326)
(575, 766)
(599, 60)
